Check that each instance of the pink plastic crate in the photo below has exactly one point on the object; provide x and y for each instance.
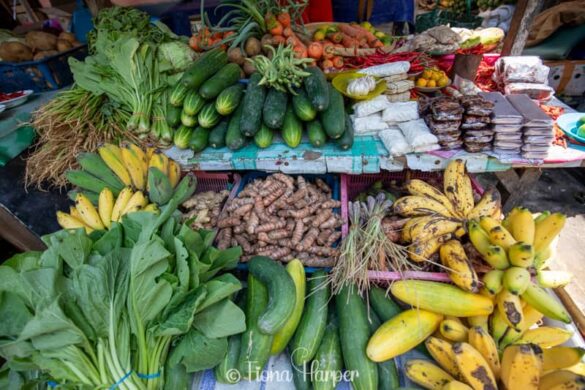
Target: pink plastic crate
(352, 185)
(217, 182)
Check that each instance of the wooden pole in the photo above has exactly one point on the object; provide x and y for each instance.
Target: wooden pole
(516, 37)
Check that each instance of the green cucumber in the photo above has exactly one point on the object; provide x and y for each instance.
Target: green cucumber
(208, 116)
(263, 138)
(302, 376)
(316, 134)
(382, 304)
(229, 99)
(205, 67)
(333, 118)
(292, 128)
(217, 134)
(182, 137)
(234, 139)
(255, 345)
(387, 372)
(311, 329)
(253, 103)
(354, 332)
(178, 94)
(193, 103)
(188, 120)
(346, 140)
(224, 372)
(329, 361)
(199, 139)
(225, 77)
(303, 107)
(281, 292)
(316, 88)
(173, 116)
(274, 108)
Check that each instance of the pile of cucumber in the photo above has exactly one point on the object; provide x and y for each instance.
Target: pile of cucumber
(208, 107)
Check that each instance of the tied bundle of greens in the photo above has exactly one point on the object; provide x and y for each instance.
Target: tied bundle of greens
(283, 71)
(132, 308)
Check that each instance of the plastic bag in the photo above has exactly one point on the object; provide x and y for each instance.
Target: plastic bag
(521, 69)
(370, 124)
(400, 112)
(386, 70)
(418, 134)
(372, 106)
(534, 91)
(394, 141)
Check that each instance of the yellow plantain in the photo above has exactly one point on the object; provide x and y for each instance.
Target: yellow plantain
(480, 321)
(157, 161)
(545, 336)
(174, 173)
(135, 167)
(493, 281)
(422, 251)
(489, 205)
(510, 307)
(112, 156)
(88, 213)
(152, 207)
(453, 330)
(521, 255)
(121, 203)
(556, 358)
(501, 237)
(521, 225)
(506, 221)
(562, 380)
(140, 153)
(67, 221)
(105, 206)
(435, 227)
(137, 202)
(442, 352)
(452, 179)
(416, 206)
(456, 385)
(150, 151)
(516, 280)
(421, 188)
(466, 193)
(485, 344)
(546, 230)
(165, 162)
(521, 367)
(478, 237)
(460, 271)
(426, 374)
(553, 279)
(530, 316)
(473, 367)
(488, 223)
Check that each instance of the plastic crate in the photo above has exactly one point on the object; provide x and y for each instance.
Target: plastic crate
(218, 182)
(43, 75)
(331, 180)
(352, 185)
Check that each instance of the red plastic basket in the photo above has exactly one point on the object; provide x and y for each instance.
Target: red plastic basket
(217, 182)
(352, 185)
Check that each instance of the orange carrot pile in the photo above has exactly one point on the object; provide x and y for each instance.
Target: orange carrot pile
(205, 39)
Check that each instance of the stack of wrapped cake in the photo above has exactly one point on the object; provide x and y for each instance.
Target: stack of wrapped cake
(506, 124)
(477, 132)
(443, 116)
(537, 130)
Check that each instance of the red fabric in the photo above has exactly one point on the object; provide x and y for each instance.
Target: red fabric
(318, 11)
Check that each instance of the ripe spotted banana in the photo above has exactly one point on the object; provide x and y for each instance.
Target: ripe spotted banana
(137, 202)
(488, 223)
(530, 316)
(422, 251)
(521, 367)
(489, 205)
(516, 280)
(521, 255)
(442, 353)
(105, 206)
(553, 279)
(456, 385)
(415, 206)
(426, 374)
(435, 227)
(140, 153)
(88, 213)
(74, 213)
(485, 344)
(562, 380)
(453, 330)
(112, 156)
(493, 281)
(135, 167)
(556, 358)
(121, 203)
(459, 268)
(158, 161)
(479, 321)
(473, 367)
(67, 221)
(421, 188)
(498, 326)
(510, 306)
(546, 230)
(545, 336)
(501, 237)
(521, 225)
(540, 300)
(455, 183)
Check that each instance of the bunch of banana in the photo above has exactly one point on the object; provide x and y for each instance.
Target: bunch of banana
(109, 210)
(119, 167)
(437, 216)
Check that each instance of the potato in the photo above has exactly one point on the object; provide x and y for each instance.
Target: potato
(15, 52)
(40, 40)
(63, 45)
(252, 47)
(249, 68)
(70, 37)
(44, 54)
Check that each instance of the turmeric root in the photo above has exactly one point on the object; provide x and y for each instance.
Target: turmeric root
(285, 179)
(252, 223)
(239, 202)
(298, 232)
(332, 239)
(278, 234)
(322, 186)
(228, 222)
(321, 217)
(243, 210)
(241, 240)
(330, 223)
(272, 197)
(279, 224)
(331, 204)
(308, 240)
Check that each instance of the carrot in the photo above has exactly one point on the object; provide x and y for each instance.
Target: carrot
(349, 30)
(337, 62)
(276, 28)
(216, 35)
(315, 50)
(300, 50)
(368, 34)
(328, 50)
(349, 42)
(293, 40)
(194, 43)
(377, 43)
(335, 37)
(327, 64)
(287, 32)
(228, 34)
(278, 40)
(284, 19)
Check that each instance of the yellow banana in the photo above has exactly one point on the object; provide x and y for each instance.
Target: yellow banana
(460, 271)
(489, 205)
(460, 232)
(157, 161)
(578, 368)
(121, 202)
(545, 303)
(135, 167)
(426, 374)
(88, 213)
(553, 279)
(545, 336)
(410, 224)
(562, 380)
(516, 280)
(473, 367)
(542, 259)
(546, 231)
(498, 326)
(496, 257)
(453, 179)
(510, 307)
(422, 251)
(437, 226)
(485, 344)
(479, 321)
(165, 161)
(421, 188)
(174, 173)
(150, 151)
(506, 221)
(453, 330)
(501, 237)
(530, 316)
(456, 385)
(442, 353)
(466, 192)
(521, 367)
(415, 206)
(493, 281)
(488, 223)
(478, 237)
(556, 358)
(152, 207)
(112, 156)
(522, 225)
(74, 213)
(137, 202)
(105, 206)
(140, 153)
(67, 221)
(521, 255)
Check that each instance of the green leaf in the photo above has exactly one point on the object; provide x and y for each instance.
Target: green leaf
(13, 283)
(220, 288)
(14, 313)
(134, 224)
(42, 284)
(50, 258)
(12, 349)
(24, 261)
(198, 352)
(223, 319)
(167, 233)
(223, 260)
(181, 264)
(192, 240)
(180, 319)
(74, 249)
(110, 241)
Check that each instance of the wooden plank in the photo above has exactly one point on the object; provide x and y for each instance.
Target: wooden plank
(574, 311)
(516, 37)
(16, 233)
(515, 185)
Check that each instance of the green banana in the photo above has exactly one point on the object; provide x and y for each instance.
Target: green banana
(93, 163)
(92, 196)
(159, 186)
(87, 181)
(539, 299)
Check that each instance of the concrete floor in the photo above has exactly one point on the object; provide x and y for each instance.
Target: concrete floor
(562, 190)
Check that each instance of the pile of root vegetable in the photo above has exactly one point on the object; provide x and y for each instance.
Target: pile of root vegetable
(283, 218)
